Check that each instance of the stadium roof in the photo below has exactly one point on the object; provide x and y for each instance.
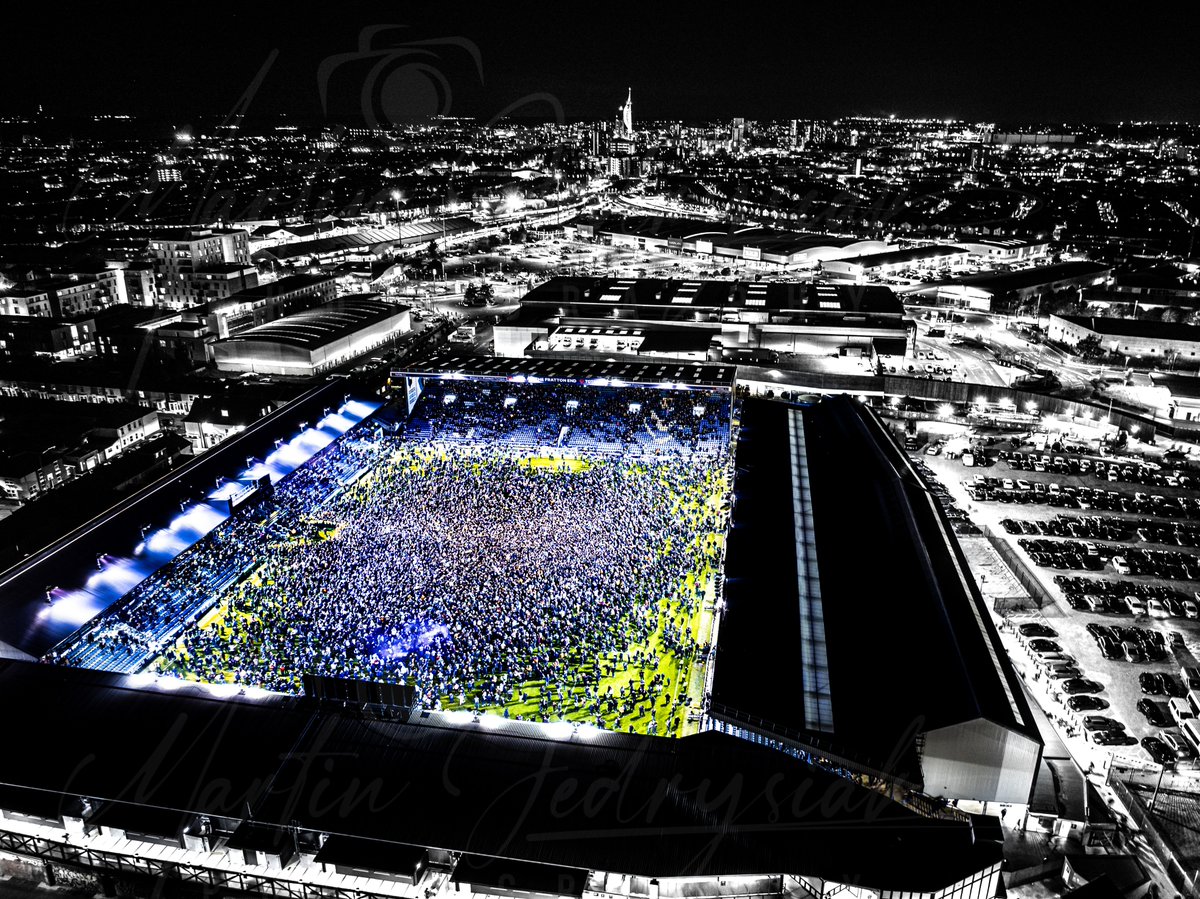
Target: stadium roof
(697, 806)
(715, 296)
(686, 374)
(321, 325)
(851, 613)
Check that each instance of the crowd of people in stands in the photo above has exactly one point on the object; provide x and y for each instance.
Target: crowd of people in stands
(624, 421)
(564, 585)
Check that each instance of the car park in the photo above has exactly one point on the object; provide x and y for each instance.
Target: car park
(1117, 570)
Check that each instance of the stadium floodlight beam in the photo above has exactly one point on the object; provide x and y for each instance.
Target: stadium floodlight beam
(99, 561)
(50, 594)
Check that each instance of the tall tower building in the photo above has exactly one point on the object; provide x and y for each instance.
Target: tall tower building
(737, 134)
(625, 114)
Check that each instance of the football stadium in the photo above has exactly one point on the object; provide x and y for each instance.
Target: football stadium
(537, 550)
(517, 627)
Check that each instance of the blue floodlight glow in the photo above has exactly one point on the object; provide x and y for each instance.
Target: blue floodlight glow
(75, 608)
(119, 575)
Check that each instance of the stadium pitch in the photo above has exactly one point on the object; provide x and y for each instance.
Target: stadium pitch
(556, 587)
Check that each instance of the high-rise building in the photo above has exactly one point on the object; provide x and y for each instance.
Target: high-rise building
(737, 134)
(204, 264)
(625, 115)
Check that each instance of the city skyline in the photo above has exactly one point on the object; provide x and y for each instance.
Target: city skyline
(407, 64)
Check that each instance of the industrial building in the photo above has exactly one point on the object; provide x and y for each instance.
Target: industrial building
(366, 243)
(997, 290)
(738, 243)
(1136, 338)
(821, 319)
(892, 262)
(313, 341)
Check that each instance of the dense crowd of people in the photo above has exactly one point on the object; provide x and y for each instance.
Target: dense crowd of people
(563, 584)
(625, 421)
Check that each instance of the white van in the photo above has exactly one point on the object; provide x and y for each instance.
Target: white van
(1191, 732)
(1180, 710)
(1190, 677)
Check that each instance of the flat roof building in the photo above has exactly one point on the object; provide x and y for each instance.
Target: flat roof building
(802, 318)
(748, 243)
(1131, 337)
(854, 628)
(309, 342)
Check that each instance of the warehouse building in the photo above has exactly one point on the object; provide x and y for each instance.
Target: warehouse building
(1136, 338)
(1000, 290)
(706, 240)
(315, 340)
(893, 262)
(812, 319)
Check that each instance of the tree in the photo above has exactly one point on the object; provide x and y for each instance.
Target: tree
(1089, 347)
(486, 293)
(471, 295)
(433, 256)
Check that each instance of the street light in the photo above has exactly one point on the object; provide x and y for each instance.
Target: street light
(396, 200)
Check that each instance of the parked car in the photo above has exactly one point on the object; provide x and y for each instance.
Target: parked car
(1078, 685)
(1159, 751)
(1085, 703)
(1113, 738)
(1177, 744)
(1153, 713)
(1035, 629)
(1151, 683)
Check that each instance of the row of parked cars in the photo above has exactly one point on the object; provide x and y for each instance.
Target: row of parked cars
(1007, 490)
(960, 521)
(1081, 555)
(1148, 473)
(1091, 527)
(1114, 596)
(1052, 661)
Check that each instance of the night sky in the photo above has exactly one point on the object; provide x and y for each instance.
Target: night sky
(1016, 63)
